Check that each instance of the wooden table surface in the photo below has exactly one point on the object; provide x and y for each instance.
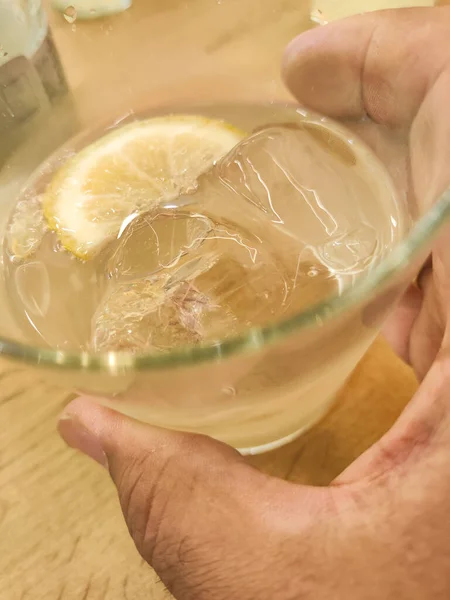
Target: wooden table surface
(61, 532)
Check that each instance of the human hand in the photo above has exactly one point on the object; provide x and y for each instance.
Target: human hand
(392, 70)
(213, 527)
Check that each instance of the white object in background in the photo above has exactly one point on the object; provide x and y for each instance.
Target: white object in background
(324, 11)
(31, 75)
(23, 28)
(91, 9)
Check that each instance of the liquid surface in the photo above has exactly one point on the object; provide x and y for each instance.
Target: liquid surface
(291, 216)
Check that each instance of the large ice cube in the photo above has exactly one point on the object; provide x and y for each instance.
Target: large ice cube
(150, 315)
(310, 181)
(156, 241)
(271, 229)
(206, 291)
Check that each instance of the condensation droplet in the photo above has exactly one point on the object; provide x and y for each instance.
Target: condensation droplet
(70, 14)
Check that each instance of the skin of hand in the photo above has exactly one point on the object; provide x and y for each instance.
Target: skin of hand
(215, 528)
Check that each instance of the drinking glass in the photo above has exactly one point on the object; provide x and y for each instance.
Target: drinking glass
(261, 388)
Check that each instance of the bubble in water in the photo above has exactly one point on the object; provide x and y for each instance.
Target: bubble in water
(70, 14)
(26, 229)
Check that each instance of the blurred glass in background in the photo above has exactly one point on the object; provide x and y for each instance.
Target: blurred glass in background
(324, 11)
(31, 76)
(89, 9)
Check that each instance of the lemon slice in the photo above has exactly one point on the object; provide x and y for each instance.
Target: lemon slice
(130, 171)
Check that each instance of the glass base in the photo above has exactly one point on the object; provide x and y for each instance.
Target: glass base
(284, 441)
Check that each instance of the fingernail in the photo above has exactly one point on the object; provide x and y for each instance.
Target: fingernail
(78, 437)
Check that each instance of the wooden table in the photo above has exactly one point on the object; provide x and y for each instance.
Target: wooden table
(61, 532)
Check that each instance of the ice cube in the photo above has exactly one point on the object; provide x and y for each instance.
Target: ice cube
(296, 176)
(33, 287)
(205, 283)
(227, 283)
(267, 232)
(307, 181)
(156, 241)
(149, 315)
(55, 295)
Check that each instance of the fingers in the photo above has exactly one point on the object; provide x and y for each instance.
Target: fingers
(201, 516)
(417, 446)
(323, 69)
(427, 331)
(397, 329)
(378, 64)
(394, 67)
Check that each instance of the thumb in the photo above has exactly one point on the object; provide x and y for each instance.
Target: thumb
(195, 510)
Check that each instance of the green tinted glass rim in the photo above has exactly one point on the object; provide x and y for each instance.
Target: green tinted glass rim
(118, 363)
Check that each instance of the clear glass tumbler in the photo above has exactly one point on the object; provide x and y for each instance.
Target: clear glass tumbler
(220, 58)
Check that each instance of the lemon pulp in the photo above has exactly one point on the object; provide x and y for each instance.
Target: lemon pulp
(128, 171)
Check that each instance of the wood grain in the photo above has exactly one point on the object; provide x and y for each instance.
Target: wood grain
(61, 532)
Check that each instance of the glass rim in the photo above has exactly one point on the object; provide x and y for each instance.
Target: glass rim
(119, 363)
